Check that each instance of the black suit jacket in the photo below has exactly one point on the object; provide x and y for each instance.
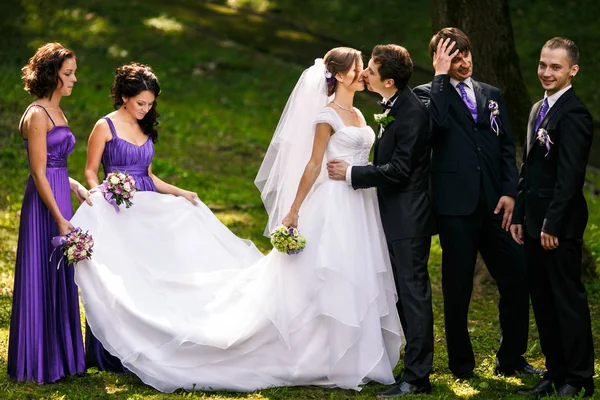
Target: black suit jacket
(468, 156)
(400, 171)
(550, 193)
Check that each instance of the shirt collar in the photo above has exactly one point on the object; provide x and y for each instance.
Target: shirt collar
(467, 82)
(554, 98)
(391, 100)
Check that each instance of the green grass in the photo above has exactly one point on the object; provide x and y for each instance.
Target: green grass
(220, 104)
(364, 24)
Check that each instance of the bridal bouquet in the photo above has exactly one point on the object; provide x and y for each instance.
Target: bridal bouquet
(118, 188)
(287, 240)
(76, 246)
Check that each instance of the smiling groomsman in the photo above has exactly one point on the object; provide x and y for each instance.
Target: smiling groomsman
(474, 178)
(549, 219)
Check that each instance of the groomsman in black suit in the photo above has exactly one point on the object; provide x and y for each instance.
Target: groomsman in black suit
(474, 179)
(550, 217)
(400, 171)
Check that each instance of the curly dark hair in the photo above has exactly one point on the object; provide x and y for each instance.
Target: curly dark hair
(340, 60)
(131, 80)
(40, 75)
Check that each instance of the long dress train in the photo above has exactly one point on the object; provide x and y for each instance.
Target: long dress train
(184, 303)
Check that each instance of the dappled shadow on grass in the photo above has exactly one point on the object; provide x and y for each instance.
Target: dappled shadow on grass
(5, 310)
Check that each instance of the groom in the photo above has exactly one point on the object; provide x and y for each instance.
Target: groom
(400, 171)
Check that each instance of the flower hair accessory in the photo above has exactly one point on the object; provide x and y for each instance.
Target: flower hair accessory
(330, 78)
(544, 138)
(494, 117)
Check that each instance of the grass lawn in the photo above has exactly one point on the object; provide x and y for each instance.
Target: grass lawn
(222, 96)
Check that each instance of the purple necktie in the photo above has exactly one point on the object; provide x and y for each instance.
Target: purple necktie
(468, 102)
(542, 114)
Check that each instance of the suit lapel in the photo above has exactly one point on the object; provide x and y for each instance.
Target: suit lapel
(481, 100)
(547, 118)
(554, 109)
(531, 135)
(394, 113)
(460, 102)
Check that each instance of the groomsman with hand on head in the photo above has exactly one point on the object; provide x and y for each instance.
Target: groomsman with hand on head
(474, 180)
(549, 219)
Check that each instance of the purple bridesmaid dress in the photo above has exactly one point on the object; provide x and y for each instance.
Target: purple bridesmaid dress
(45, 342)
(119, 155)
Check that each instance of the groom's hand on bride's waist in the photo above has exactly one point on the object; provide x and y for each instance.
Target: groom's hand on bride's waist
(336, 169)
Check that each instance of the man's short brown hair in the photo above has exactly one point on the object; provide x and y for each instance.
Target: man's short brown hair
(568, 45)
(394, 63)
(463, 44)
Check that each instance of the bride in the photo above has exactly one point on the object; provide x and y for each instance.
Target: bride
(184, 303)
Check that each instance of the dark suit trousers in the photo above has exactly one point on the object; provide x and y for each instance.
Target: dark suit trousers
(561, 310)
(409, 261)
(461, 238)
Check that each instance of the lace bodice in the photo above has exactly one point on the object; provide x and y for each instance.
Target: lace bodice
(349, 143)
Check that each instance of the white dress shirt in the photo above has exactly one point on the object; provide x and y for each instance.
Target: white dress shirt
(552, 99)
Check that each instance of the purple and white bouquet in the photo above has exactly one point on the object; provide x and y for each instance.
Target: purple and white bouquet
(287, 240)
(118, 188)
(76, 246)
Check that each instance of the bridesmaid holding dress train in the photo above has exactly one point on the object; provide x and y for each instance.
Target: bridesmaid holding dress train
(124, 141)
(45, 342)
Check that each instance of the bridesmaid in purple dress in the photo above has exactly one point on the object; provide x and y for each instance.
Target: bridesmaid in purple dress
(124, 140)
(45, 342)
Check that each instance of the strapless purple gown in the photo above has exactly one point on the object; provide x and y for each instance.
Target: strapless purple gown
(45, 328)
(127, 157)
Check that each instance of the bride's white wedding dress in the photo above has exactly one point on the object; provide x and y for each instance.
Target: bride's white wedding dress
(184, 303)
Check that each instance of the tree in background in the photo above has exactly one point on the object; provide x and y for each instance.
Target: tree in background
(488, 25)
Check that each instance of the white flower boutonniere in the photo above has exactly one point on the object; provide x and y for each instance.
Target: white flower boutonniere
(544, 138)
(383, 120)
(494, 117)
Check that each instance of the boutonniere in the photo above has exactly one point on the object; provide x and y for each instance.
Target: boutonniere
(383, 120)
(544, 138)
(494, 117)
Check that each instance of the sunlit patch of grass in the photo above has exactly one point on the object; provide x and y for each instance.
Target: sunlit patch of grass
(256, 5)
(222, 10)
(214, 129)
(233, 217)
(114, 51)
(463, 389)
(165, 24)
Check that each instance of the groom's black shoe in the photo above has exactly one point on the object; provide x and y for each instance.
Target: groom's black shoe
(542, 388)
(467, 376)
(525, 369)
(567, 390)
(404, 389)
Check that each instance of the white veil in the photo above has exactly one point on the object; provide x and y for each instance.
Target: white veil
(291, 146)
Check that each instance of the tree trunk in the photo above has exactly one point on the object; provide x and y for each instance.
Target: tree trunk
(495, 60)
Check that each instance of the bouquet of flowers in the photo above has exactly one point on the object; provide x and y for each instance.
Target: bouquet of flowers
(76, 246)
(287, 240)
(118, 188)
